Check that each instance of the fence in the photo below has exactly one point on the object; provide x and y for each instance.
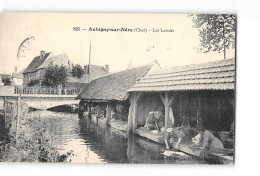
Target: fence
(46, 90)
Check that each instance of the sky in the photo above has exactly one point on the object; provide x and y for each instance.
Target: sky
(53, 32)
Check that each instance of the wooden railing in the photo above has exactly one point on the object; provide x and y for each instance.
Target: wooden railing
(46, 90)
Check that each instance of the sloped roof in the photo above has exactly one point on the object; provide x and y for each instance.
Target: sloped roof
(96, 71)
(76, 85)
(218, 75)
(113, 86)
(59, 60)
(37, 61)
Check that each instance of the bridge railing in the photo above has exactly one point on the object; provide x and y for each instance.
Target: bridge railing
(46, 90)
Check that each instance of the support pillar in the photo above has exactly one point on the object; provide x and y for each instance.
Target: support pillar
(132, 117)
(108, 113)
(167, 101)
(130, 124)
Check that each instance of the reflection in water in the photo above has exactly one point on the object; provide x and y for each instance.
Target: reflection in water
(97, 144)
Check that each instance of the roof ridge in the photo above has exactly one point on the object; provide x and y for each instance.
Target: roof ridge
(199, 66)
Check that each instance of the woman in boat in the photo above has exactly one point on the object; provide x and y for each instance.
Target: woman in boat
(208, 140)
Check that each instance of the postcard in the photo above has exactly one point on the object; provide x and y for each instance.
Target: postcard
(135, 88)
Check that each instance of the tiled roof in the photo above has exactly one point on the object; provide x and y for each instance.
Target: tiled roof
(59, 60)
(218, 75)
(37, 61)
(113, 86)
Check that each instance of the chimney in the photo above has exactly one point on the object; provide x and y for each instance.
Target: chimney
(85, 69)
(15, 70)
(107, 68)
(42, 54)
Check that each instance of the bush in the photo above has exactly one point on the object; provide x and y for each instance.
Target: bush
(7, 82)
(33, 144)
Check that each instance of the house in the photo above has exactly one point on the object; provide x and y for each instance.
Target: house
(202, 93)
(108, 95)
(31, 72)
(17, 78)
(36, 69)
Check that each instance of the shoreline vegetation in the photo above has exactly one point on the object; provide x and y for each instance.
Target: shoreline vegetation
(33, 142)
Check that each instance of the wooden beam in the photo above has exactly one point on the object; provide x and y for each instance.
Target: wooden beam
(167, 104)
(134, 114)
(162, 97)
(130, 121)
(108, 113)
(171, 100)
(137, 96)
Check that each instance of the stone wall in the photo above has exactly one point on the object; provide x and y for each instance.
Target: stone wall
(6, 90)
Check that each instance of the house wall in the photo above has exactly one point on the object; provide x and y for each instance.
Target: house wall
(27, 77)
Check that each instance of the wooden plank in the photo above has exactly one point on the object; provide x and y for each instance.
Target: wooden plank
(186, 147)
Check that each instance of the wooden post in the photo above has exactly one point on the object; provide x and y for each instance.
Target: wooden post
(89, 108)
(130, 120)
(108, 113)
(137, 96)
(132, 116)
(198, 110)
(18, 117)
(167, 101)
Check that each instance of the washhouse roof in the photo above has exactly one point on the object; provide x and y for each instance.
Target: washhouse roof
(218, 75)
(113, 86)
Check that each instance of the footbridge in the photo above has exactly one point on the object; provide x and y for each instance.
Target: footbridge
(39, 98)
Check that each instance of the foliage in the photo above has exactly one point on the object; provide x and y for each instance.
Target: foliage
(77, 71)
(33, 143)
(33, 82)
(54, 76)
(7, 81)
(217, 31)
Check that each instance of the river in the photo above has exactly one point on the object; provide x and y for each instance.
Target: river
(98, 144)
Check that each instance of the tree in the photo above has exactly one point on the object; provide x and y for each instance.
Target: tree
(33, 82)
(7, 81)
(77, 71)
(54, 76)
(216, 31)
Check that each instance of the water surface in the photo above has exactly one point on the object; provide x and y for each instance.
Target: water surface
(98, 144)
